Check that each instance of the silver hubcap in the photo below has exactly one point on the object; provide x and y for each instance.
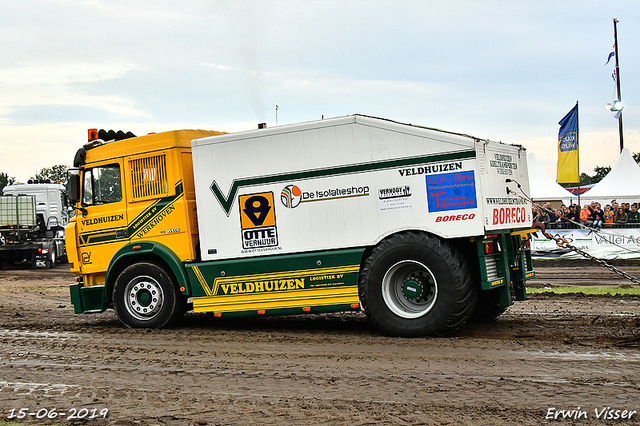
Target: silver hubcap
(409, 289)
(143, 297)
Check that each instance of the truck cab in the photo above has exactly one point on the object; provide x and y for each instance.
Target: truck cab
(124, 196)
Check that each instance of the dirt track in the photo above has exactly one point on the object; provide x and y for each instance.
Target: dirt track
(568, 352)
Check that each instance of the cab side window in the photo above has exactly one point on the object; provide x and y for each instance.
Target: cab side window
(102, 185)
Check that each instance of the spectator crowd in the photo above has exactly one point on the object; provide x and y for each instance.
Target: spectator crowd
(613, 215)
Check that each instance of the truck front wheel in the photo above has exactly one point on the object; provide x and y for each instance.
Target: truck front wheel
(145, 296)
(414, 284)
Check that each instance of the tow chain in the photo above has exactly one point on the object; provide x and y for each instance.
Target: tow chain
(561, 242)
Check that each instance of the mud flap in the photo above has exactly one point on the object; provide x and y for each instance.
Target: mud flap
(88, 299)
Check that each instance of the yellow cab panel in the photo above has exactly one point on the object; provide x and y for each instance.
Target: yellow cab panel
(149, 196)
(158, 203)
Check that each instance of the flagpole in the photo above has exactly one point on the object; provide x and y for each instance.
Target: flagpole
(615, 43)
(578, 144)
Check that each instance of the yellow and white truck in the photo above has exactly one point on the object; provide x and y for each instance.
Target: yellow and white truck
(418, 227)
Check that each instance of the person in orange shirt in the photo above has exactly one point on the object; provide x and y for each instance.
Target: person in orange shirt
(608, 215)
(585, 215)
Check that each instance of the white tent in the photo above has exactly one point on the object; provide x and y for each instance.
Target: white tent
(622, 183)
(543, 187)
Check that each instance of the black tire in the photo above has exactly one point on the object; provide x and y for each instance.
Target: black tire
(414, 284)
(488, 307)
(145, 296)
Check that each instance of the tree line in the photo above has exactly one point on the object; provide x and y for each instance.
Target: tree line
(52, 174)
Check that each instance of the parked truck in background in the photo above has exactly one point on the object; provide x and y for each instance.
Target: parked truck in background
(418, 227)
(33, 217)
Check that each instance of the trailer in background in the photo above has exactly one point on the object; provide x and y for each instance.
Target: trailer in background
(32, 221)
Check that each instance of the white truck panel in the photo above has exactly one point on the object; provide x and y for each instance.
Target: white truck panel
(501, 163)
(337, 183)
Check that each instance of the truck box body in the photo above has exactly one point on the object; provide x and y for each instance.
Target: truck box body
(350, 182)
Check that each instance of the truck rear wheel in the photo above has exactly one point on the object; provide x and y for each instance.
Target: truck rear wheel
(414, 284)
(145, 296)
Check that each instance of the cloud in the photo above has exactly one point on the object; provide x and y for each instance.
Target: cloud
(506, 71)
(64, 73)
(24, 91)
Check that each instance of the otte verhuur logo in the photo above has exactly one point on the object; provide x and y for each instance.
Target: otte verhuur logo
(258, 221)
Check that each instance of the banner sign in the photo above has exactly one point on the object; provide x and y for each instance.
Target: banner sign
(608, 243)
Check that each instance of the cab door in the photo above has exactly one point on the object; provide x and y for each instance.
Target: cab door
(102, 225)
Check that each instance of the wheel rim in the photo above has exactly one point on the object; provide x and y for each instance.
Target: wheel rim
(409, 289)
(143, 297)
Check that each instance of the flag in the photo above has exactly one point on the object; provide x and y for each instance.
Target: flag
(612, 54)
(568, 164)
(613, 75)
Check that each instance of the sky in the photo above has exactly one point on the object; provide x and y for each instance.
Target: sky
(502, 70)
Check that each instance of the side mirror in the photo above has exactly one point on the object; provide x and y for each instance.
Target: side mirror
(73, 186)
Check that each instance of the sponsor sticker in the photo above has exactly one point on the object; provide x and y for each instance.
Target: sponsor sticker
(292, 196)
(453, 217)
(395, 197)
(509, 215)
(451, 191)
(258, 221)
(503, 164)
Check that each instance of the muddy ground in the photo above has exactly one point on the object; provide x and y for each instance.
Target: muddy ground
(542, 358)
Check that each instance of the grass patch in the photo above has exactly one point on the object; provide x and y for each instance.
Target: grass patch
(586, 290)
